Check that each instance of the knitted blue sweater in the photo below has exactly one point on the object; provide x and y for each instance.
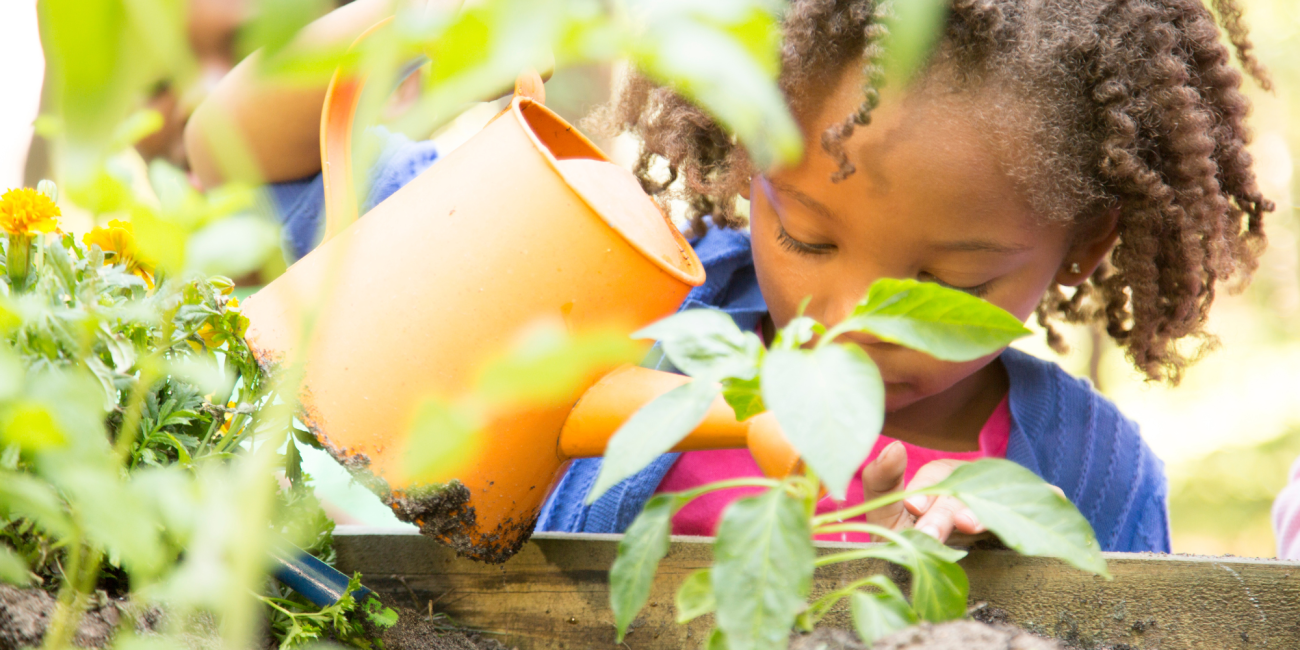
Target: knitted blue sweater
(1061, 429)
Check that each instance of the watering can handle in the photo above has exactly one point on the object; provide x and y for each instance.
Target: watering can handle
(337, 116)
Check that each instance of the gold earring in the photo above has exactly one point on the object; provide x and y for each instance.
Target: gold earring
(1074, 268)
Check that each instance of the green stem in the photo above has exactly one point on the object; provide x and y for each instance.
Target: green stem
(684, 498)
(78, 580)
(126, 434)
(218, 419)
(876, 503)
(819, 607)
(18, 260)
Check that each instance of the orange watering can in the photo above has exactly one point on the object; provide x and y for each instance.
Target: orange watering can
(526, 220)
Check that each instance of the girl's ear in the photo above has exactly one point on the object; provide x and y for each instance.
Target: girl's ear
(1087, 253)
(744, 188)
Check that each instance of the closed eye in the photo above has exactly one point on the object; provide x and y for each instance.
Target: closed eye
(979, 290)
(801, 247)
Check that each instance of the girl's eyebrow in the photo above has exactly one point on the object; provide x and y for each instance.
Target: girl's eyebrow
(808, 201)
(981, 246)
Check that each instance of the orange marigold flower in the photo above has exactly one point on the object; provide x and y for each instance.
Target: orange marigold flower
(117, 240)
(24, 211)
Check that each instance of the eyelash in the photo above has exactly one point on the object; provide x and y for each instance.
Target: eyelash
(802, 248)
(979, 290)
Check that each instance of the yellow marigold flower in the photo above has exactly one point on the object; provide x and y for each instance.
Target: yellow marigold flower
(25, 211)
(117, 240)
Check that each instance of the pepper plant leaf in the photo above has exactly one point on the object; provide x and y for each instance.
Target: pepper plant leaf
(878, 614)
(651, 431)
(13, 569)
(639, 552)
(706, 344)
(763, 569)
(830, 402)
(695, 596)
(939, 585)
(1026, 513)
(745, 396)
(944, 323)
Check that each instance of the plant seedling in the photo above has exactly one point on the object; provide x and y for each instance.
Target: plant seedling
(829, 400)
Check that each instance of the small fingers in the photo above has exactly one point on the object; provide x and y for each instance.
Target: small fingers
(882, 476)
(945, 515)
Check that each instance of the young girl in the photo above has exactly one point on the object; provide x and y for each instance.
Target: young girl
(1077, 160)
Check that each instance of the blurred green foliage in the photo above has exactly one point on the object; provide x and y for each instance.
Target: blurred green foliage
(1228, 495)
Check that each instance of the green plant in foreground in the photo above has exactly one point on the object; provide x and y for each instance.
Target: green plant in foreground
(829, 400)
(136, 429)
(347, 621)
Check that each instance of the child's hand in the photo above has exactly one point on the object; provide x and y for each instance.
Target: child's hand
(939, 517)
(883, 476)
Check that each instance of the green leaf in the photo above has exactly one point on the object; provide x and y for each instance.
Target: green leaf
(878, 614)
(549, 364)
(652, 431)
(763, 569)
(1025, 513)
(830, 403)
(31, 426)
(914, 29)
(13, 569)
(714, 54)
(706, 344)
(797, 332)
(944, 323)
(716, 641)
(695, 596)
(639, 552)
(24, 495)
(443, 436)
(745, 397)
(277, 22)
(939, 586)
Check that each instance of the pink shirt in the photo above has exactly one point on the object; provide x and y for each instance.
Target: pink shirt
(696, 468)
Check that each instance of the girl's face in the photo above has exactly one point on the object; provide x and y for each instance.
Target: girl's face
(930, 201)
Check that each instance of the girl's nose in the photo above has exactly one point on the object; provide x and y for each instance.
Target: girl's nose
(839, 306)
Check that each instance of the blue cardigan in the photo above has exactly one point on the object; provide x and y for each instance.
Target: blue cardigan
(1061, 429)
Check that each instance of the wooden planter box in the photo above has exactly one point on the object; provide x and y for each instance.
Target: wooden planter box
(554, 593)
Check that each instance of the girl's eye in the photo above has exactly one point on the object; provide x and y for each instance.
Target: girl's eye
(978, 290)
(803, 248)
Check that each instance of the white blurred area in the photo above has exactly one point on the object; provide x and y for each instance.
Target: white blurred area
(20, 77)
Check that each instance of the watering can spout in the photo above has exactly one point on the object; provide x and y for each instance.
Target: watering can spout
(613, 399)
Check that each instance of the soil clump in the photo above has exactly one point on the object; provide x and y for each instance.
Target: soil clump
(416, 630)
(953, 635)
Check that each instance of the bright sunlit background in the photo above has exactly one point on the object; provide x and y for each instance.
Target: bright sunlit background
(1228, 434)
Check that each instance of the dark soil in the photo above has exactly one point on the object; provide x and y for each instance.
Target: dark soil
(965, 635)
(954, 635)
(416, 630)
(25, 613)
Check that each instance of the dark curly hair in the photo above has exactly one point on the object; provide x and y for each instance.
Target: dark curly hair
(1135, 107)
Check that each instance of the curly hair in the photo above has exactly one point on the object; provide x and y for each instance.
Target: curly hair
(1136, 107)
